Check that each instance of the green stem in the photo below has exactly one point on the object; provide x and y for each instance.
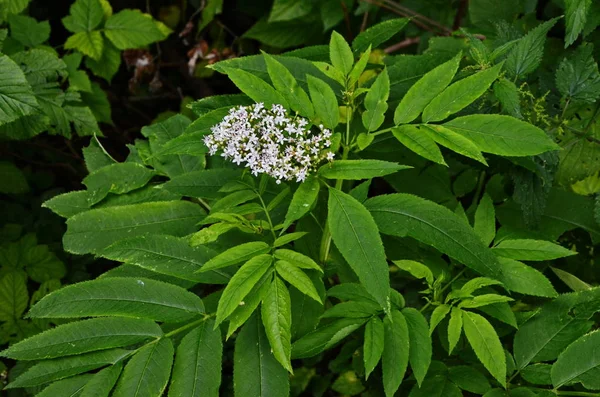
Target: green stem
(188, 326)
(564, 112)
(445, 287)
(376, 133)
(262, 203)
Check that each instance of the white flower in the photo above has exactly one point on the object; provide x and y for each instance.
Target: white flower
(269, 141)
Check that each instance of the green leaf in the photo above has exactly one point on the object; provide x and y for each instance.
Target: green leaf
(167, 255)
(503, 135)
(108, 64)
(576, 13)
(70, 387)
(234, 255)
(202, 184)
(286, 84)
(127, 297)
(256, 88)
(531, 250)
(420, 349)
(340, 53)
(83, 337)
(378, 34)
(297, 278)
(283, 34)
(355, 234)
(288, 238)
(359, 169)
(577, 76)
(116, 178)
(285, 10)
(148, 371)
(537, 374)
(460, 94)
(16, 96)
(14, 297)
(132, 29)
(419, 142)
(376, 102)
(88, 43)
(325, 337)
(407, 215)
(28, 31)
(210, 103)
(102, 382)
(485, 342)
(256, 372)
(276, 314)
(573, 282)
(485, 220)
(469, 379)
(527, 54)
(439, 313)
(324, 102)
(96, 156)
(241, 284)
(357, 69)
(84, 16)
(416, 269)
(297, 259)
(519, 277)
(394, 360)
(352, 309)
(96, 99)
(483, 300)
(508, 94)
(13, 179)
(454, 328)
(64, 367)
(197, 368)
(424, 90)
(437, 386)
(579, 363)
(373, 344)
(454, 141)
(94, 230)
(251, 302)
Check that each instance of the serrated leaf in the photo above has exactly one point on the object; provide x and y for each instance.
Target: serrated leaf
(394, 359)
(108, 64)
(454, 328)
(325, 337)
(14, 181)
(197, 368)
(485, 342)
(127, 297)
(579, 363)
(508, 94)
(483, 300)
(373, 344)
(359, 169)
(102, 382)
(439, 313)
(378, 34)
(416, 269)
(28, 31)
(324, 102)
(94, 230)
(460, 94)
(256, 88)
(118, 178)
(256, 372)
(454, 141)
(419, 142)
(576, 13)
(251, 302)
(241, 284)
(531, 250)
(84, 16)
(469, 379)
(16, 95)
(352, 309)
(132, 29)
(357, 69)
(14, 297)
(525, 279)
(485, 220)
(83, 337)
(420, 349)
(202, 184)
(70, 387)
(234, 255)
(147, 372)
(88, 43)
(276, 314)
(297, 259)
(424, 90)
(407, 215)
(355, 234)
(297, 278)
(577, 76)
(340, 53)
(573, 282)
(288, 238)
(376, 102)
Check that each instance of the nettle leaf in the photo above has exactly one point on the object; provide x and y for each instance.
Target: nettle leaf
(378, 34)
(197, 368)
(424, 90)
(519, 277)
(94, 230)
(102, 382)
(255, 87)
(14, 297)
(419, 142)
(359, 169)
(376, 102)
(234, 255)
(485, 342)
(576, 15)
(526, 55)
(508, 94)
(286, 84)
(460, 94)
(276, 314)
(407, 215)
(241, 284)
(420, 349)
(579, 363)
(503, 135)
(132, 29)
(373, 344)
(453, 141)
(531, 250)
(147, 372)
(394, 360)
(577, 76)
(256, 372)
(324, 102)
(355, 234)
(127, 297)
(485, 220)
(83, 337)
(16, 95)
(340, 53)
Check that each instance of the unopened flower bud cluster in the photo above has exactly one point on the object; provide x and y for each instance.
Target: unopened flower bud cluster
(269, 141)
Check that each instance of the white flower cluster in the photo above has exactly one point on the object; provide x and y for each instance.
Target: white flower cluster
(269, 141)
